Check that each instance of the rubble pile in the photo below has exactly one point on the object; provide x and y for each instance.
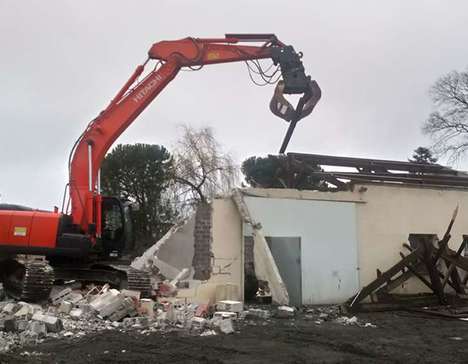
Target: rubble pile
(73, 312)
(321, 314)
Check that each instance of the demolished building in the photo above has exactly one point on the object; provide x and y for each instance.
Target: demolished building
(313, 247)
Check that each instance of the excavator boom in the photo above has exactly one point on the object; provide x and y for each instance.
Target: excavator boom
(134, 97)
(39, 247)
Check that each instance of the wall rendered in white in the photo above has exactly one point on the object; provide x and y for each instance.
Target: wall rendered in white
(328, 243)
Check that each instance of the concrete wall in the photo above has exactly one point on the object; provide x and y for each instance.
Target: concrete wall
(390, 214)
(226, 277)
(172, 253)
(210, 244)
(178, 249)
(385, 216)
(327, 231)
(228, 262)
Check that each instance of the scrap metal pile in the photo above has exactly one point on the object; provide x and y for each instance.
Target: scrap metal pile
(434, 264)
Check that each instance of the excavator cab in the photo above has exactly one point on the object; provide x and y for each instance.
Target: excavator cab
(117, 229)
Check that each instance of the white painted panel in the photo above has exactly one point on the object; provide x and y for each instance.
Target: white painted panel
(329, 243)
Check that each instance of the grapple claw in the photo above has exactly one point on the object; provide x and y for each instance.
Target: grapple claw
(283, 108)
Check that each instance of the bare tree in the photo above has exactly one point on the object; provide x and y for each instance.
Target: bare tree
(448, 125)
(202, 168)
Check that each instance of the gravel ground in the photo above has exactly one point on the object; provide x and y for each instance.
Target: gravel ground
(398, 338)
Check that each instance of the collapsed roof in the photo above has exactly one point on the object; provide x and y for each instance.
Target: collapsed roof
(364, 170)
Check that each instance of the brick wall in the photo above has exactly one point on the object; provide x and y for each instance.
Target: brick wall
(203, 237)
(249, 266)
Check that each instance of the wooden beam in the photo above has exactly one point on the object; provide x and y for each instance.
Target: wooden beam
(384, 277)
(433, 272)
(452, 271)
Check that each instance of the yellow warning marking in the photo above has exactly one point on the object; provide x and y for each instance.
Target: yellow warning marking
(20, 231)
(211, 56)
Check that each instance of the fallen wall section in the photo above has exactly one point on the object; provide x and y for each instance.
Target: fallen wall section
(172, 253)
(265, 265)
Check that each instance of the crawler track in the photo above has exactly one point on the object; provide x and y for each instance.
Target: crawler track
(30, 281)
(117, 275)
(136, 280)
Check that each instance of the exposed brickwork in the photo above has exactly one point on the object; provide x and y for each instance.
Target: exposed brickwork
(250, 279)
(249, 266)
(202, 236)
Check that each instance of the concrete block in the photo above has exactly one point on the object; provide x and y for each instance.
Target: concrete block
(74, 297)
(52, 310)
(38, 328)
(198, 323)
(208, 333)
(285, 312)
(223, 315)
(147, 308)
(76, 313)
(258, 313)
(225, 326)
(103, 299)
(57, 297)
(347, 320)
(231, 306)
(25, 310)
(136, 322)
(112, 306)
(53, 324)
(11, 308)
(125, 308)
(129, 293)
(108, 303)
(3, 304)
(65, 307)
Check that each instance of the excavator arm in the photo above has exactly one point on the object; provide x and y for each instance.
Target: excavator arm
(89, 150)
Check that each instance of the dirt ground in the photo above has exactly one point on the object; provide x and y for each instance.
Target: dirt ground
(399, 338)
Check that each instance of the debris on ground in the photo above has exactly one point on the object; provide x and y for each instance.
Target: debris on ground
(74, 311)
(285, 312)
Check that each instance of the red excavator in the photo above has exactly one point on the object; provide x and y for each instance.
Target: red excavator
(85, 242)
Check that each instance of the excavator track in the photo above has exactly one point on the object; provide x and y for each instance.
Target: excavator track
(120, 276)
(30, 281)
(137, 280)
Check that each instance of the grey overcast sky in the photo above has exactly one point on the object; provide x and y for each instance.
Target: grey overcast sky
(62, 61)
